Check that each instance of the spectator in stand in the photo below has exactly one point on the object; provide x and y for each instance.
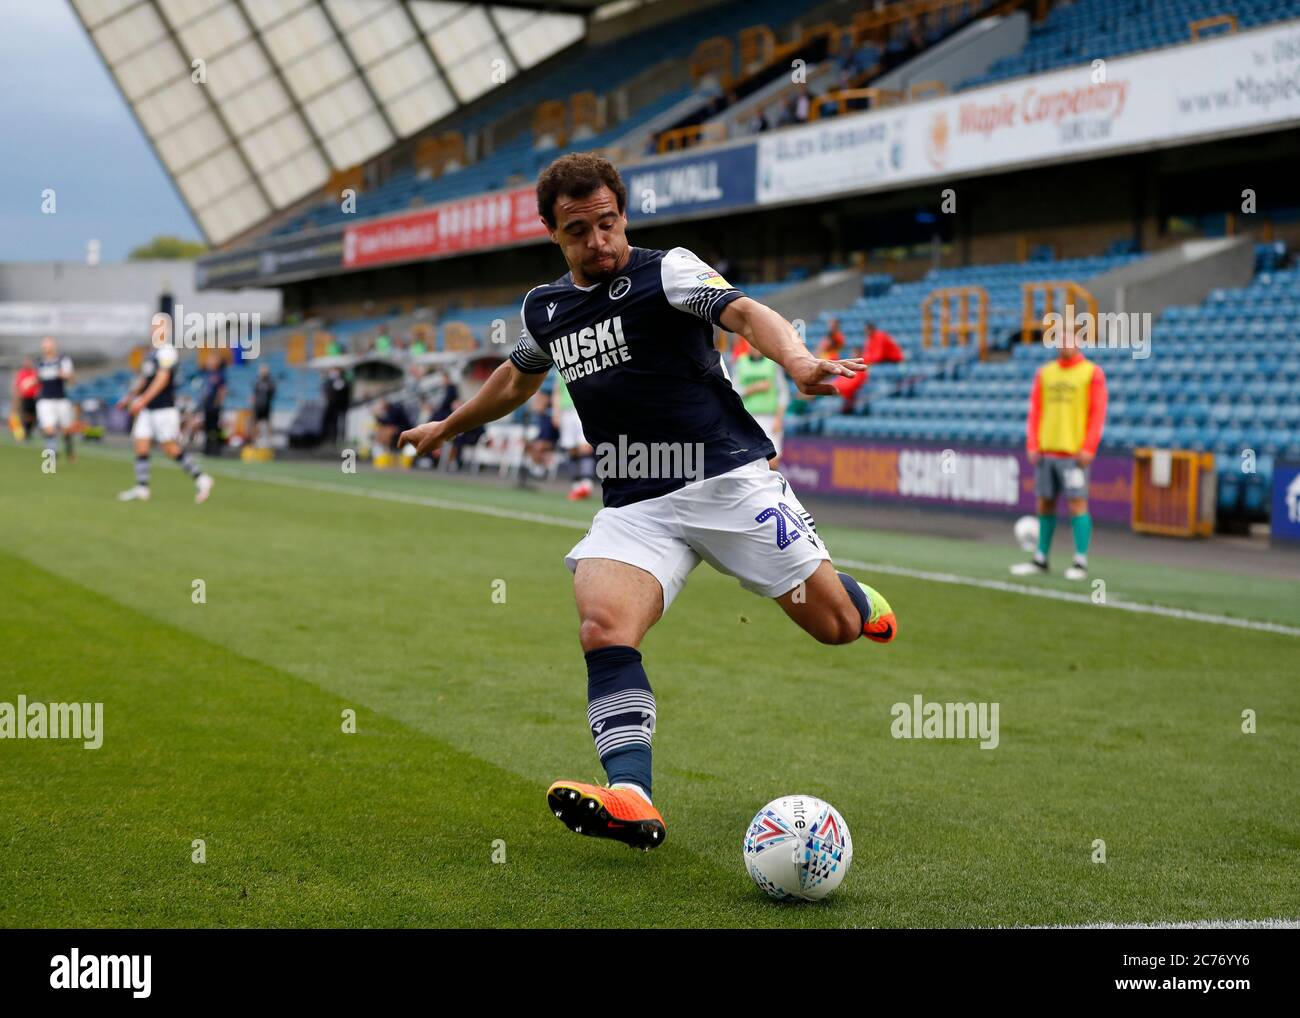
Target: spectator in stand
(263, 397)
(26, 387)
(449, 402)
(391, 419)
(916, 36)
(832, 343)
(802, 105)
(335, 391)
(879, 347)
(450, 398)
(846, 60)
(212, 400)
(541, 448)
(383, 343)
(848, 389)
(788, 114)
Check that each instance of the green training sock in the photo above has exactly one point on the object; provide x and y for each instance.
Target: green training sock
(1082, 525)
(1046, 528)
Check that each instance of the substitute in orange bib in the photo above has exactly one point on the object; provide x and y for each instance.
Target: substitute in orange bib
(1067, 410)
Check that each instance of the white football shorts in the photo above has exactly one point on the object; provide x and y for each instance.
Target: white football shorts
(54, 414)
(571, 434)
(768, 423)
(747, 523)
(162, 425)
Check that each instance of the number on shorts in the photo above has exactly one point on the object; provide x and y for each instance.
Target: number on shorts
(781, 512)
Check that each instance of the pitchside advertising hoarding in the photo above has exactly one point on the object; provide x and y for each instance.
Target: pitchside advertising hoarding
(986, 478)
(1286, 503)
(316, 253)
(496, 219)
(715, 180)
(1238, 83)
(73, 319)
(708, 182)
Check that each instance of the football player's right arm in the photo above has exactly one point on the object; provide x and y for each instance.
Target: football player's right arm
(155, 386)
(1035, 415)
(130, 393)
(502, 394)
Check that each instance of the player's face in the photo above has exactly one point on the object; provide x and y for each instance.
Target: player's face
(48, 349)
(1069, 344)
(592, 233)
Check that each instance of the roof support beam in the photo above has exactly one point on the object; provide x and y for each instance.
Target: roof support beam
(213, 106)
(279, 76)
(361, 75)
(437, 64)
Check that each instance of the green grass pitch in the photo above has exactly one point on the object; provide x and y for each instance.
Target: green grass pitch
(223, 722)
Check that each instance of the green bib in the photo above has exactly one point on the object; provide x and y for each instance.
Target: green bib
(748, 371)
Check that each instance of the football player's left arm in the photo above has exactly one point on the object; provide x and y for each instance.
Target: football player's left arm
(776, 339)
(1096, 416)
(65, 369)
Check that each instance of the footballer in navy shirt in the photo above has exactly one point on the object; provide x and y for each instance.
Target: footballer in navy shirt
(683, 467)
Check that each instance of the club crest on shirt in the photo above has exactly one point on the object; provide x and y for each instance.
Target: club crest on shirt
(619, 287)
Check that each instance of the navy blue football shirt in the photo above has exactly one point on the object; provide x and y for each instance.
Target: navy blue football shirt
(638, 357)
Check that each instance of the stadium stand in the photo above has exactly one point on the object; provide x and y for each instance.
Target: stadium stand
(1081, 32)
(604, 67)
(1222, 376)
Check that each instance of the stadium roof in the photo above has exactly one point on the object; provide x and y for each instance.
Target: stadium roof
(295, 89)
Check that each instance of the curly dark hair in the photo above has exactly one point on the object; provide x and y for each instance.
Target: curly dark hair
(577, 175)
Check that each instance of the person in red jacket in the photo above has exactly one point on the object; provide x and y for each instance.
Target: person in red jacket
(848, 389)
(26, 388)
(1067, 411)
(832, 343)
(879, 347)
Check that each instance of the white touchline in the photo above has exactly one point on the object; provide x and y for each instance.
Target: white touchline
(954, 579)
(1192, 924)
(1065, 595)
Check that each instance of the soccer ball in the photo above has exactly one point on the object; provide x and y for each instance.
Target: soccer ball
(798, 847)
(1027, 532)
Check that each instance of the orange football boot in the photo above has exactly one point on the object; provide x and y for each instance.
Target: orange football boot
(601, 812)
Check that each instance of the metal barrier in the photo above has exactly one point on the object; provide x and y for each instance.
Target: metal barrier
(964, 327)
(1174, 492)
(1195, 28)
(926, 90)
(1072, 293)
(550, 120)
(712, 57)
(877, 97)
(695, 134)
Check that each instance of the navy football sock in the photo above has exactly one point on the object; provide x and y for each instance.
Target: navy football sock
(858, 596)
(621, 713)
(187, 463)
